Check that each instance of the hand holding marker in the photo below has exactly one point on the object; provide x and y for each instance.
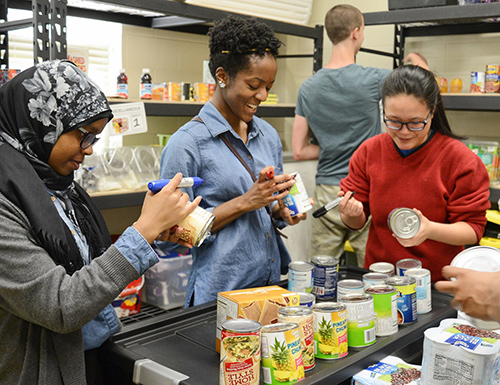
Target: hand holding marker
(157, 185)
(330, 205)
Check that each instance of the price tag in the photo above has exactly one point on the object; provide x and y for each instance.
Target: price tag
(128, 118)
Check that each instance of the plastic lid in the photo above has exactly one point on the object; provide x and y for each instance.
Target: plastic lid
(145, 70)
(122, 71)
(479, 258)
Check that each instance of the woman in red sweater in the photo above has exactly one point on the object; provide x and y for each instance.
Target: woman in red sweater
(419, 163)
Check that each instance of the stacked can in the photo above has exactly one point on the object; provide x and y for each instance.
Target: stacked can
(423, 287)
(240, 352)
(360, 320)
(326, 271)
(330, 330)
(370, 279)
(492, 78)
(281, 354)
(383, 268)
(306, 299)
(300, 276)
(304, 317)
(477, 82)
(403, 222)
(407, 298)
(406, 264)
(350, 286)
(385, 304)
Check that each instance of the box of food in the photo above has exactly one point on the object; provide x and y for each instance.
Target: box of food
(259, 304)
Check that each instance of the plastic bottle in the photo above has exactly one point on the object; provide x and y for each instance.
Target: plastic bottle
(122, 85)
(146, 84)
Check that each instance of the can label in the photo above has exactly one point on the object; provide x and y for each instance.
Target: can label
(300, 277)
(406, 264)
(407, 299)
(403, 222)
(330, 331)
(477, 82)
(197, 226)
(423, 288)
(350, 286)
(385, 305)
(240, 356)
(360, 320)
(297, 199)
(325, 277)
(304, 317)
(281, 354)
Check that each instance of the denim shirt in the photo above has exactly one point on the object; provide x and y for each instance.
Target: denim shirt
(139, 253)
(246, 252)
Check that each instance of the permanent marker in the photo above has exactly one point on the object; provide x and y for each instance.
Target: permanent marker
(330, 205)
(157, 185)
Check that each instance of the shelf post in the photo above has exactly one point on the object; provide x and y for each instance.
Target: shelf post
(318, 49)
(399, 45)
(58, 45)
(4, 37)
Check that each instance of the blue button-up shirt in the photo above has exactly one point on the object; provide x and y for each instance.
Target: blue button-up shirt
(247, 252)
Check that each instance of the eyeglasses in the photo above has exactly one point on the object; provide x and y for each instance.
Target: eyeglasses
(88, 139)
(412, 126)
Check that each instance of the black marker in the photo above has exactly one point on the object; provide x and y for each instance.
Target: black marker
(330, 205)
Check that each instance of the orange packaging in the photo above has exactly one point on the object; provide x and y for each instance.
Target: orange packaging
(259, 304)
(201, 92)
(174, 92)
(456, 85)
(158, 90)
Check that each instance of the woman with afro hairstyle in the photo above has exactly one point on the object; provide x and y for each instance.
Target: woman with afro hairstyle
(244, 248)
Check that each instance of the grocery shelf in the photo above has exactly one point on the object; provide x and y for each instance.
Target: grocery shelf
(471, 102)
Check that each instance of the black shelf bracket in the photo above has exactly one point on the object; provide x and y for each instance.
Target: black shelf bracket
(4, 37)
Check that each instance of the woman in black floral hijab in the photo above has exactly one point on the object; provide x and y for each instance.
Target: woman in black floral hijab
(59, 271)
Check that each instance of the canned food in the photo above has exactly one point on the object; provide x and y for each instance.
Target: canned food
(197, 226)
(281, 354)
(407, 298)
(405, 264)
(423, 288)
(326, 271)
(297, 199)
(300, 276)
(330, 330)
(371, 279)
(360, 320)
(382, 267)
(307, 299)
(492, 78)
(403, 222)
(350, 286)
(477, 82)
(240, 352)
(304, 317)
(187, 92)
(385, 304)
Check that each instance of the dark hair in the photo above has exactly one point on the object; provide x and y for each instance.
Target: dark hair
(341, 20)
(234, 40)
(421, 84)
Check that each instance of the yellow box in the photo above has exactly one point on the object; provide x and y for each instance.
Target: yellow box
(259, 304)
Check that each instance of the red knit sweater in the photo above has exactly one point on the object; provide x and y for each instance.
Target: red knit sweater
(444, 179)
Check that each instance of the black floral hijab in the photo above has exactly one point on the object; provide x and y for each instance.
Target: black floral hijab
(36, 107)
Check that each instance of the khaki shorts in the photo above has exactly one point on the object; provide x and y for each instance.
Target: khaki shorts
(329, 234)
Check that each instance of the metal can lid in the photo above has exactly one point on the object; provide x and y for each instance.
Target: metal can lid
(325, 260)
(420, 272)
(480, 258)
(375, 276)
(294, 311)
(328, 307)
(300, 266)
(400, 281)
(350, 298)
(241, 325)
(404, 222)
(380, 289)
(306, 297)
(350, 284)
(409, 263)
(382, 267)
(279, 327)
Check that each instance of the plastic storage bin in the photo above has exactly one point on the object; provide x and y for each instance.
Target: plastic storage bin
(166, 282)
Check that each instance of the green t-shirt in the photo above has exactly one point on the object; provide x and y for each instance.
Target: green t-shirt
(342, 109)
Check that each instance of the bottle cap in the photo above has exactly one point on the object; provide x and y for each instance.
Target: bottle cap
(122, 71)
(145, 70)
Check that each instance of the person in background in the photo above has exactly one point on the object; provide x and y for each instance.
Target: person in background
(59, 271)
(420, 164)
(475, 292)
(337, 110)
(244, 249)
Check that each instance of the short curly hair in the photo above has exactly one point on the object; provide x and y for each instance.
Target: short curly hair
(233, 40)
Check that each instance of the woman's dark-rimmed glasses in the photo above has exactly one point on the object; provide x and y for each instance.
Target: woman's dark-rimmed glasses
(88, 139)
(412, 126)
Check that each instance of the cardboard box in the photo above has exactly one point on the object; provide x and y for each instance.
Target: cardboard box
(259, 304)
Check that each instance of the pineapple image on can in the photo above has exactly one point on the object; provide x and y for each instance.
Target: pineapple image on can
(330, 330)
(281, 354)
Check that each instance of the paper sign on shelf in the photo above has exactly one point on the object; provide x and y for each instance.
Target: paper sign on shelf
(128, 118)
